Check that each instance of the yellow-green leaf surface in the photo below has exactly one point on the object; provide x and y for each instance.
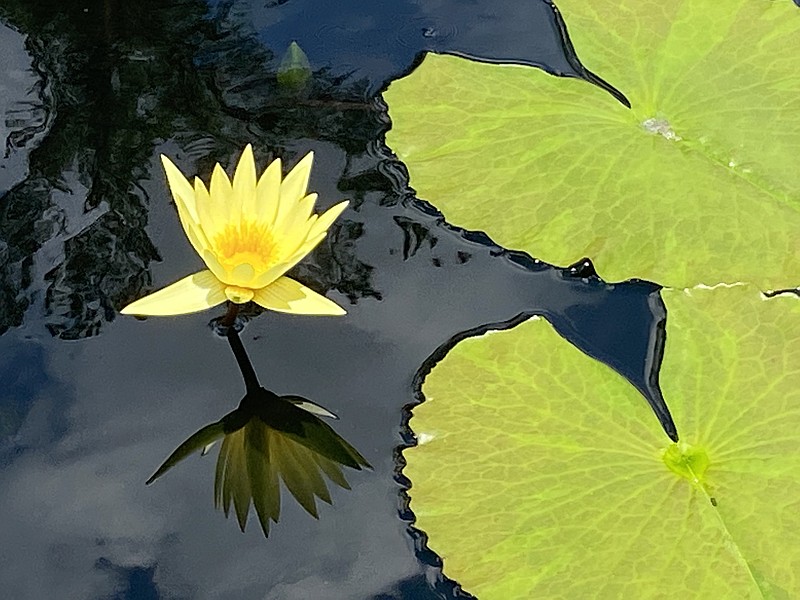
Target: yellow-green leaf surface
(697, 183)
(541, 473)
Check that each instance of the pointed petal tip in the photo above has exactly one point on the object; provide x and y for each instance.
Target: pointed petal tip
(338, 208)
(130, 309)
(247, 154)
(323, 222)
(328, 310)
(174, 174)
(278, 164)
(220, 172)
(302, 168)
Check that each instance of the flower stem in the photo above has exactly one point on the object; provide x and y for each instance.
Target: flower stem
(230, 316)
(245, 366)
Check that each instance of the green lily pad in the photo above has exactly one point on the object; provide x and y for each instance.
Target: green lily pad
(541, 473)
(697, 183)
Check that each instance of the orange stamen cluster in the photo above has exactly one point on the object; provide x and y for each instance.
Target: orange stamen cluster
(247, 238)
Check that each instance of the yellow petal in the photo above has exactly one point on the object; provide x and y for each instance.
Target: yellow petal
(296, 183)
(294, 187)
(194, 232)
(294, 227)
(205, 211)
(184, 197)
(180, 187)
(216, 267)
(244, 182)
(306, 248)
(326, 219)
(243, 274)
(267, 277)
(302, 250)
(268, 193)
(271, 274)
(305, 207)
(288, 295)
(300, 244)
(222, 209)
(191, 294)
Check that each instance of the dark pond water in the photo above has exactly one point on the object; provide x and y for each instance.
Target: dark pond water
(91, 402)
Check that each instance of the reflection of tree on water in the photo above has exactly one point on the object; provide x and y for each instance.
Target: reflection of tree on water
(268, 439)
(124, 77)
(121, 77)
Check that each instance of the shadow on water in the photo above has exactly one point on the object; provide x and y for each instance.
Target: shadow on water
(86, 226)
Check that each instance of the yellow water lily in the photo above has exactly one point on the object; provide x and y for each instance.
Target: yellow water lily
(249, 232)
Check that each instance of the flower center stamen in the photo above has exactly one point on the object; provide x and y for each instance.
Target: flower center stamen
(247, 242)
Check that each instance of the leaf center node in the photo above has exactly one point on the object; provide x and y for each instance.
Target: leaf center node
(687, 461)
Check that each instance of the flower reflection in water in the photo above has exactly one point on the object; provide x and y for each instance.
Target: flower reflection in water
(268, 439)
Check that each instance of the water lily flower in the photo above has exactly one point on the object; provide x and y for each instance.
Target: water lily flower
(249, 232)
